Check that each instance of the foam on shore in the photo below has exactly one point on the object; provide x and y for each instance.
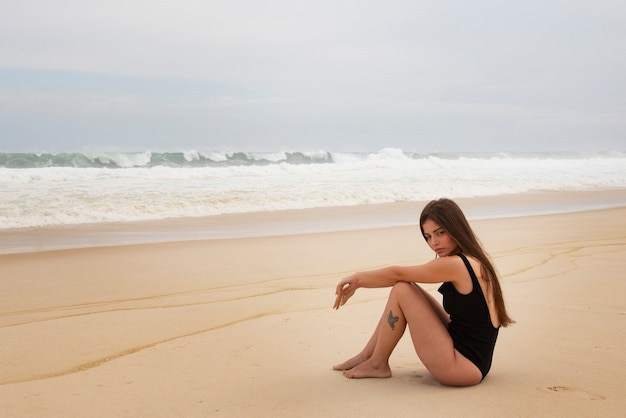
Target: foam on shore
(290, 222)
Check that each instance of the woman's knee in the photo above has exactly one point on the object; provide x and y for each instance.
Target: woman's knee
(408, 293)
(401, 286)
(405, 288)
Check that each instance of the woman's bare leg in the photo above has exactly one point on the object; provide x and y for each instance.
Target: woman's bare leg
(367, 351)
(437, 307)
(388, 332)
(363, 355)
(407, 303)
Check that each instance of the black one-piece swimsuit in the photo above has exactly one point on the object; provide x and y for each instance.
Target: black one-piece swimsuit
(470, 326)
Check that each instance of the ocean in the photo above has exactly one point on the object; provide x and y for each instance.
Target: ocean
(51, 189)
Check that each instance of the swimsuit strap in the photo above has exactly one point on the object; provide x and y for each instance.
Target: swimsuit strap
(469, 268)
(475, 285)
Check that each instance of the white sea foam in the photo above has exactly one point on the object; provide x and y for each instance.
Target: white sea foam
(68, 195)
(191, 155)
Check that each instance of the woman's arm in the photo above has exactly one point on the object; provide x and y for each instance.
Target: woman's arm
(436, 271)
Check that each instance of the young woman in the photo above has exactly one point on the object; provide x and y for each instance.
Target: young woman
(454, 341)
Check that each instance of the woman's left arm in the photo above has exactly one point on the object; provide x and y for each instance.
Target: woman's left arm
(435, 271)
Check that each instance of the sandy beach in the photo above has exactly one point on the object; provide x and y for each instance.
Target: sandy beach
(244, 327)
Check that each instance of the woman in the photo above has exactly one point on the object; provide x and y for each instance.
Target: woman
(454, 341)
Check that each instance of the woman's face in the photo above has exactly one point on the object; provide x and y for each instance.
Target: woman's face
(439, 240)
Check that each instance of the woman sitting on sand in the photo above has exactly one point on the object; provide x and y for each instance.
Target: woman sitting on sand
(454, 341)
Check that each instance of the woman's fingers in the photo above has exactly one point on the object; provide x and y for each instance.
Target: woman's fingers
(347, 294)
(340, 287)
(340, 300)
(337, 303)
(343, 295)
(344, 291)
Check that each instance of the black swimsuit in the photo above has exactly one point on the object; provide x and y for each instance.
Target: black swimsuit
(470, 323)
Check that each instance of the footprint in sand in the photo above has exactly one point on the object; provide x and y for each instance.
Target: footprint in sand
(576, 391)
(415, 376)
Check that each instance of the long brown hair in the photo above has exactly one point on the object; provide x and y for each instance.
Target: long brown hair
(448, 215)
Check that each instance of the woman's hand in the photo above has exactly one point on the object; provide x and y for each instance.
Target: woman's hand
(345, 289)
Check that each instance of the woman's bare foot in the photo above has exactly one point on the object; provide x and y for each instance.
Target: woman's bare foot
(368, 369)
(352, 363)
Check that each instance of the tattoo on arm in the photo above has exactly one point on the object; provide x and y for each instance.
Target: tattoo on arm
(392, 320)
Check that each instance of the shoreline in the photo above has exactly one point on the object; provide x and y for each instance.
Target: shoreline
(300, 221)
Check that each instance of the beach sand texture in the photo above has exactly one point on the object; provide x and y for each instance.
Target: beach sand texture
(244, 327)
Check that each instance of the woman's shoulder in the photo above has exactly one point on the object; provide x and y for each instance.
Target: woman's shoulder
(460, 275)
(454, 270)
(458, 261)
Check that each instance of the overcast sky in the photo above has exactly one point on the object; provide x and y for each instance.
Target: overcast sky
(529, 75)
